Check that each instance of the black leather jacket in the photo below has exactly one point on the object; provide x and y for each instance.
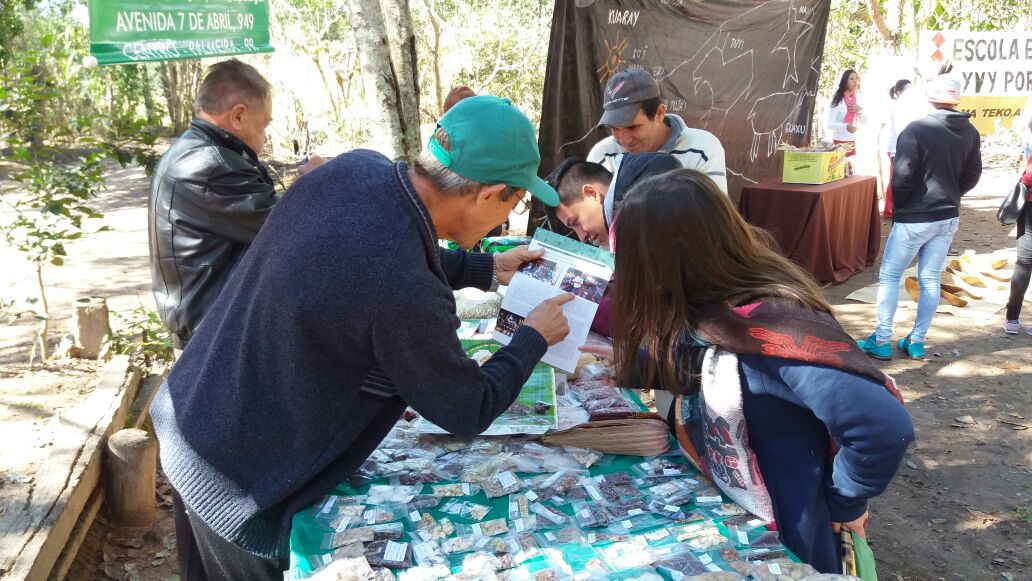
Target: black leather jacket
(209, 197)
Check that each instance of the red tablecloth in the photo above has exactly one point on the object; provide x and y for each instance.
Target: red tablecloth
(832, 230)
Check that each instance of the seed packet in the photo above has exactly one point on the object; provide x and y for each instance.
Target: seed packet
(591, 515)
(485, 562)
(457, 489)
(348, 563)
(384, 494)
(525, 524)
(578, 559)
(727, 510)
(560, 483)
(501, 484)
(586, 457)
(610, 534)
(389, 554)
(605, 406)
(427, 554)
(661, 467)
(383, 513)
(637, 524)
(391, 531)
(761, 554)
(627, 555)
(424, 572)
(628, 507)
(708, 497)
(670, 511)
(569, 534)
(488, 528)
(423, 501)
(487, 446)
(481, 467)
(746, 521)
(754, 537)
(519, 506)
(459, 545)
(465, 509)
(547, 515)
(675, 491)
(413, 478)
(781, 570)
(347, 537)
(677, 562)
(441, 529)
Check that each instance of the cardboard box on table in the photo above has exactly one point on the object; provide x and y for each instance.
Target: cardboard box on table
(813, 167)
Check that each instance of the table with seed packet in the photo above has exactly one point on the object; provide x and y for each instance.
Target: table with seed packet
(432, 506)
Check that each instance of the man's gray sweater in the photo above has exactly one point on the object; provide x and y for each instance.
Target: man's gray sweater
(339, 315)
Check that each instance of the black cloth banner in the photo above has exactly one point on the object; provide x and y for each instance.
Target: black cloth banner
(743, 70)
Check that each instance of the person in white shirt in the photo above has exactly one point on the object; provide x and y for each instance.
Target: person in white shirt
(906, 106)
(846, 111)
(637, 117)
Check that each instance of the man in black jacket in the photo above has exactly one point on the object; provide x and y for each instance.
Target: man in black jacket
(210, 195)
(938, 160)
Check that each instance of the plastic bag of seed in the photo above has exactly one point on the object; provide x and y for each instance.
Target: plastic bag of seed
(389, 554)
(465, 509)
(501, 484)
(591, 515)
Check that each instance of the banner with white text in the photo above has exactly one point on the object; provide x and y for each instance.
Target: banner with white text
(126, 31)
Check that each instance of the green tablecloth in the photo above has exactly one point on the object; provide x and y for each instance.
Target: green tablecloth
(305, 537)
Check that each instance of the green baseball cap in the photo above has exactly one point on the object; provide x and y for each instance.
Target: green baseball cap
(492, 142)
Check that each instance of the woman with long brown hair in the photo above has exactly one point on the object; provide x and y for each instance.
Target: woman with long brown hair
(768, 383)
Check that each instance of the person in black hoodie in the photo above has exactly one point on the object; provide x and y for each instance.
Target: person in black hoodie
(937, 161)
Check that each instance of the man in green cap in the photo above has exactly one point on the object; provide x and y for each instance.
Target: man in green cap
(338, 317)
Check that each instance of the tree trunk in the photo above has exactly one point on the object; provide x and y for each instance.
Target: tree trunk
(436, 56)
(180, 81)
(148, 97)
(402, 44)
(129, 477)
(378, 77)
(874, 7)
(44, 324)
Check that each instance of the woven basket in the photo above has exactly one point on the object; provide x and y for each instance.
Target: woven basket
(638, 434)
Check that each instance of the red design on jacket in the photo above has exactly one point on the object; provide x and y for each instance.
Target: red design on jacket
(813, 350)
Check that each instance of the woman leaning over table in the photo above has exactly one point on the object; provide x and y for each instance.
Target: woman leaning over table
(774, 400)
(846, 111)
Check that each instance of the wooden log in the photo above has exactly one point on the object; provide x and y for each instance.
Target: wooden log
(131, 467)
(34, 531)
(91, 326)
(78, 535)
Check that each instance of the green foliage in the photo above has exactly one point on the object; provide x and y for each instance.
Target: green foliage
(141, 334)
(495, 46)
(977, 15)
(53, 206)
(851, 38)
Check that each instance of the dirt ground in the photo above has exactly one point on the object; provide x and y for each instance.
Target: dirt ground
(960, 508)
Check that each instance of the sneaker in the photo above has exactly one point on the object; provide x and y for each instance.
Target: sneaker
(1011, 327)
(872, 347)
(911, 349)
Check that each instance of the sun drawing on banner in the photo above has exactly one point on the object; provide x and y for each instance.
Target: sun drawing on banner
(614, 58)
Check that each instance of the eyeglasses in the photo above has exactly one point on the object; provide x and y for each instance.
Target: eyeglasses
(522, 207)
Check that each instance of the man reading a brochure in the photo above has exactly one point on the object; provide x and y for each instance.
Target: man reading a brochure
(340, 316)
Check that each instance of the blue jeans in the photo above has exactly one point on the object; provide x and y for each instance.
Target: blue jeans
(929, 242)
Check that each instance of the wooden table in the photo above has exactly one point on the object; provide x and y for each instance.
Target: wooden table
(832, 230)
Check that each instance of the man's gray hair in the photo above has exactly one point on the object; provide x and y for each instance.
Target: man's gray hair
(445, 180)
(230, 83)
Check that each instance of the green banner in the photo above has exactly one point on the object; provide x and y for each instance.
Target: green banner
(126, 31)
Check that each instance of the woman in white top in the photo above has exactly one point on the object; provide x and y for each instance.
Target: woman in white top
(846, 111)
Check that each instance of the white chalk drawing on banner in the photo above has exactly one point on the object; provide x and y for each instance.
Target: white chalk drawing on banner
(777, 125)
(734, 79)
(795, 30)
